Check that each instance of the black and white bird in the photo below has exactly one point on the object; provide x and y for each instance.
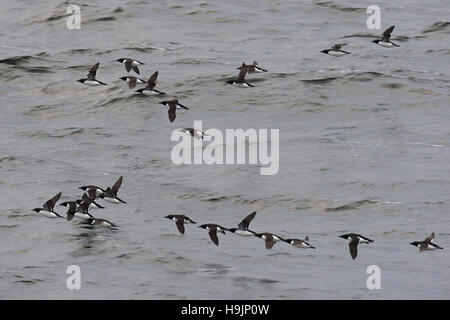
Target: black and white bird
(91, 80)
(110, 194)
(270, 239)
(151, 83)
(81, 209)
(193, 132)
(384, 41)
(243, 226)
(336, 50)
(252, 68)
(426, 244)
(100, 192)
(92, 196)
(355, 239)
(173, 106)
(240, 80)
(212, 231)
(132, 81)
(67, 204)
(180, 221)
(130, 64)
(298, 243)
(48, 209)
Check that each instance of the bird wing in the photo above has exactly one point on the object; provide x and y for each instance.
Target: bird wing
(269, 242)
(132, 82)
(71, 211)
(246, 222)
(429, 238)
(387, 33)
(93, 71)
(116, 186)
(180, 225)
(172, 114)
(353, 249)
(213, 236)
(72, 208)
(50, 204)
(153, 78)
(242, 73)
(128, 65)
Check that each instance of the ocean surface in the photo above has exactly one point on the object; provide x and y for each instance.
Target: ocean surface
(364, 147)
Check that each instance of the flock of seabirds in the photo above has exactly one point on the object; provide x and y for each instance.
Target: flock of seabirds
(80, 208)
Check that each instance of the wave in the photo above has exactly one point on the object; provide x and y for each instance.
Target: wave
(146, 48)
(320, 80)
(19, 60)
(42, 134)
(353, 205)
(437, 26)
(332, 5)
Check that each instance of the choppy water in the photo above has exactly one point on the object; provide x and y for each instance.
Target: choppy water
(364, 147)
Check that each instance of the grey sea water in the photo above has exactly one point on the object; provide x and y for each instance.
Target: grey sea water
(364, 147)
